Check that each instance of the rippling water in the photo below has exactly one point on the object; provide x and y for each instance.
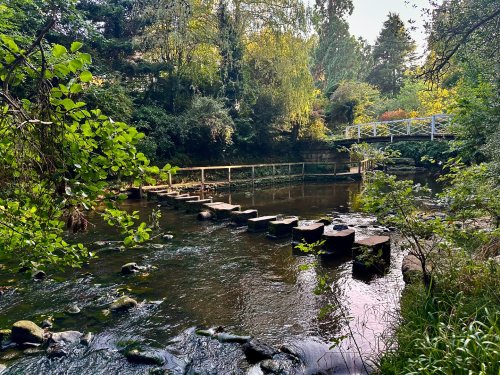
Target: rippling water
(211, 275)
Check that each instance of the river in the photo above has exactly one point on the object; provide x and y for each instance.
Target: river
(212, 275)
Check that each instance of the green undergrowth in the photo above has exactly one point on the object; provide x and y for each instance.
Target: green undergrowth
(451, 328)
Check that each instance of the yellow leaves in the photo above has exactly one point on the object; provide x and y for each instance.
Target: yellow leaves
(436, 101)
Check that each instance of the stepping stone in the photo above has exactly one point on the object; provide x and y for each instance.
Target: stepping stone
(167, 198)
(196, 205)
(308, 233)
(282, 228)
(376, 245)
(223, 211)
(241, 217)
(259, 224)
(339, 243)
(210, 206)
(153, 194)
(180, 201)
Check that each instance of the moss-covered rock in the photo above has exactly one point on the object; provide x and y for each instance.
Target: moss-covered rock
(26, 331)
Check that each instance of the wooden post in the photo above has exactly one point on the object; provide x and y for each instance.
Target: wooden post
(433, 127)
(202, 179)
(253, 175)
(408, 127)
(289, 172)
(335, 170)
(229, 175)
(274, 171)
(359, 167)
(303, 171)
(169, 179)
(375, 129)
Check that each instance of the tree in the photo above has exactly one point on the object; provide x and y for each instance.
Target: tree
(463, 30)
(59, 158)
(338, 56)
(391, 55)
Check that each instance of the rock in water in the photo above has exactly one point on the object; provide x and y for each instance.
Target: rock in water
(47, 323)
(130, 268)
(256, 351)
(57, 351)
(67, 337)
(144, 357)
(73, 309)
(123, 303)
(26, 331)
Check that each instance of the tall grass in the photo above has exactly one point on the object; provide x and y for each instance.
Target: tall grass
(451, 329)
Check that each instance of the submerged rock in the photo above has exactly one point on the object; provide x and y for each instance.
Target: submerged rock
(256, 351)
(26, 331)
(57, 351)
(39, 275)
(144, 357)
(73, 309)
(123, 303)
(130, 268)
(4, 334)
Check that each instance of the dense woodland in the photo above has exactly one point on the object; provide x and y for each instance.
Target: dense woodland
(99, 93)
(208, 81)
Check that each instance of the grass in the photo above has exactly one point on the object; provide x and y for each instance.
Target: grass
(452, 328)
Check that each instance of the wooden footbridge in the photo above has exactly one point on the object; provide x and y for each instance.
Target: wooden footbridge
(225, 176)
(411, 129)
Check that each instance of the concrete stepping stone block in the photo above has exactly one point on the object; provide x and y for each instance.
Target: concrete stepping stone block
(223, 211)
(309, 233)
(196, 205)
(338, 243)
(241, 217)
(180, 202)
(153, 194)
(259, 224)
(282, 228)
(375, 245)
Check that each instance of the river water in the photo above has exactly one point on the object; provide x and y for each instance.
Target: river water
(212, 275)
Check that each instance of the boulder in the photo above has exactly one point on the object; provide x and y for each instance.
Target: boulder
(26, 331)
(259, 224)
(309, 233)
(130, 268)
(340, 227)
(411, 269)
(73, 309)
(123, 303)
(144, 357)
(66, 337)
(339, 243)
(256, 351)
(242, 217)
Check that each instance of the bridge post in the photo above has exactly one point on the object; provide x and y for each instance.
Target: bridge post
(359, 132)
(253, 175)
(375, 130)
(408, 127)
(169, 179)
(229, 176)
(433, 126)
(202, 179)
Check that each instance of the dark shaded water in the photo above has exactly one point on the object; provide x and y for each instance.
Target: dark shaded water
(211, 275)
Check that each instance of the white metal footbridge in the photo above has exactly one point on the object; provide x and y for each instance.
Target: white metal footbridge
(411, 129)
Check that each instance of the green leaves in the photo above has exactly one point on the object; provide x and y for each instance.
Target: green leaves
(75, 46)
(58, 50)
(85, 76)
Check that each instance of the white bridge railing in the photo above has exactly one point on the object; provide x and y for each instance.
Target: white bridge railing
(420, 126)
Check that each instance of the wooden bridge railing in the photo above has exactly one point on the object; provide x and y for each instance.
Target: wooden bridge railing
(228, 174)
(426, 126)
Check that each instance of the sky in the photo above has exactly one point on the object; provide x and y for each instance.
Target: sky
(369, 15)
